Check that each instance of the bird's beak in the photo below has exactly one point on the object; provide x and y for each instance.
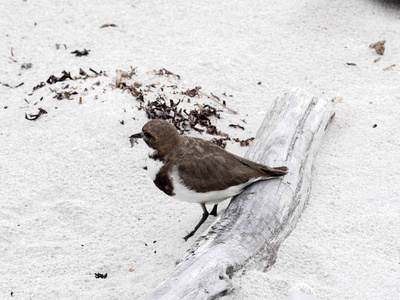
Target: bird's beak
(133, 138)
(136, 136)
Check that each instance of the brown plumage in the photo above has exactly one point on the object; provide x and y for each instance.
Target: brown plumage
(198, 169)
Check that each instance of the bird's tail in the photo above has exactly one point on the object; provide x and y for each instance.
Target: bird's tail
(274, 172)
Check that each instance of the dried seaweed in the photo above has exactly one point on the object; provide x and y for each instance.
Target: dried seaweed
(163, 109)
(379, 47)
(138, 94)
(165, 72)
(123, 74)
(243, 143)
(236, 126)
(193, 92)
(218, 100)
(84, 52)
(53, 79)
(108, 25)
(99, 275)
(13, 86)
(39, 86)
(59, 45)
(96, 73)
(64, 95)
(389, 68)
(200, 118)
(32, 117)
(220, 141)
(26, 66)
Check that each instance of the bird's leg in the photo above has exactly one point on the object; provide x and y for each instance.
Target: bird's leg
(214, 210)
(203, 218)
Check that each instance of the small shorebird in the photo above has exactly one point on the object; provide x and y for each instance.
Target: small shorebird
(195, 170)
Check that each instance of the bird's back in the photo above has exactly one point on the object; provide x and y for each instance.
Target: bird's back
(205, 166)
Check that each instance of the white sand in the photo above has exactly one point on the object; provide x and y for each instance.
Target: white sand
(75, 201)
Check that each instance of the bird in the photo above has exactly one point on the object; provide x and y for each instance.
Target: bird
(195, 170)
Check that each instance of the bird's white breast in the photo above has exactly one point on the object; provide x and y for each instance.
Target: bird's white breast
(183, 193)
(153, 166)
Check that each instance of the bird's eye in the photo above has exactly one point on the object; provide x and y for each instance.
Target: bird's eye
(147, 135)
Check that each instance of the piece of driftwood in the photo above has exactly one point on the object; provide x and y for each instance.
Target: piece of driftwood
(258, 220)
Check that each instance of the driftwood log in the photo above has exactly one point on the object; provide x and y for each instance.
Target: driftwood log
(258, 220)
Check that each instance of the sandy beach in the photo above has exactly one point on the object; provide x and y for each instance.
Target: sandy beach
(76, 204)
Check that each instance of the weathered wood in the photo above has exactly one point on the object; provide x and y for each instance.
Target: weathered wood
(257, 221)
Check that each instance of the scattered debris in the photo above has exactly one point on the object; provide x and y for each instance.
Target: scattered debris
(33, 117)
(123, 74)
(97, 73)
(12, 87)
(374, 126)
(26, 66)
(389, 68)
(40, 85)
(216, 97)
(65, 95)
(12, 51)
(223, 103)
(108, 25)
(133, 142)
(259, 83)
(173, 110)
(59, 45)
(131, 269)
(165, 72)
(376, 60)
(338, 98)
(99, 275)
(12, 59)
(193, 92)
(246, 142)
(158, 100)
(351, 64)
(161, 108)
(220, 141)
(379, 47)
(83, 73)
(53, 79)
(236, 126)
(81, 53)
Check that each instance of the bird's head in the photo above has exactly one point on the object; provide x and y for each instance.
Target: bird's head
(159, 135)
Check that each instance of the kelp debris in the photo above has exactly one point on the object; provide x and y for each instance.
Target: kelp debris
(108, 25)
(379, 47)
(79, 53)
(32, 117)
(236, 126)
(165, 72)
(53, 79)
(246, 142)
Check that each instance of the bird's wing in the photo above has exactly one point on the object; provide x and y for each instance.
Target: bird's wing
(205, 166)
